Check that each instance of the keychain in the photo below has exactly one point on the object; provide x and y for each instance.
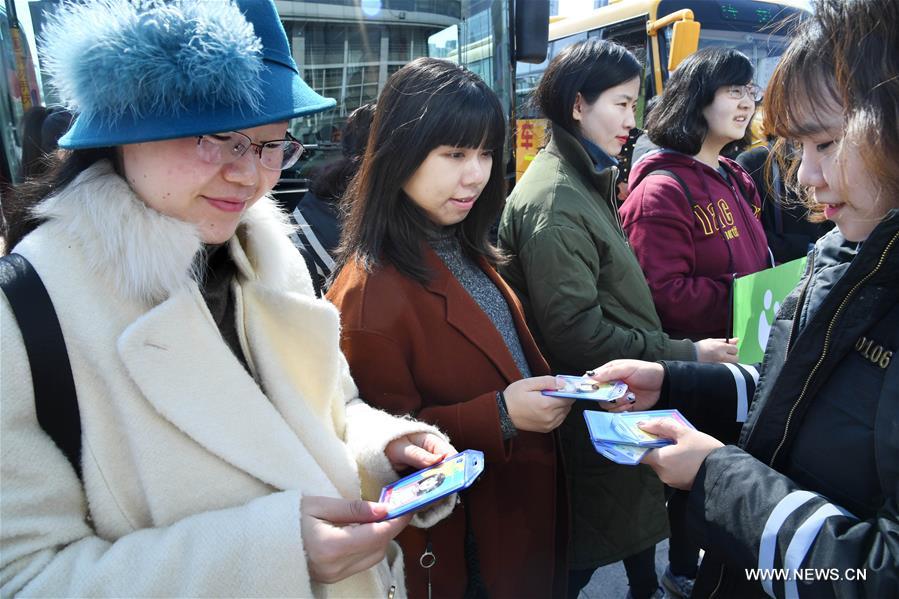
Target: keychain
(427, 561)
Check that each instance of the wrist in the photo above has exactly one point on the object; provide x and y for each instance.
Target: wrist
(663, 403)
(505, 420)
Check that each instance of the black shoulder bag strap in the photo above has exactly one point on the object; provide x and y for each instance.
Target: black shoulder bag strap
(55, 400)
(693, 204)
(676, 177)
(733, 176)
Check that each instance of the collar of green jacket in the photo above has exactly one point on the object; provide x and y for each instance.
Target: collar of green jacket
(570, 149)
(598, 156)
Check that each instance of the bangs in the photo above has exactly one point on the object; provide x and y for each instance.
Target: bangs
(734, 70)
(800, 90)
(476, 120)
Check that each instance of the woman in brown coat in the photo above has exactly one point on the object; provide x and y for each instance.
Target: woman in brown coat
(431, 330)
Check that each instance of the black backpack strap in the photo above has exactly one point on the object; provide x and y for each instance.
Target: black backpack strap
(676, 177)
(743, 192)
(693, 204)
(55, 400)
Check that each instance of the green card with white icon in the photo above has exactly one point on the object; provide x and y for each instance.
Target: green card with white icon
(757, 298)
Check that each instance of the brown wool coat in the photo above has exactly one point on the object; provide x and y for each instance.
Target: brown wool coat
(429, 350)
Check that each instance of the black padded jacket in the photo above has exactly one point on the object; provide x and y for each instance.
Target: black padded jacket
(808, 496)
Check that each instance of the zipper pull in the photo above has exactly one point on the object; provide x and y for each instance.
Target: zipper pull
(427, 561)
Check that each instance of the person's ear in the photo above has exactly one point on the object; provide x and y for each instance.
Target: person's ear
(577, 112)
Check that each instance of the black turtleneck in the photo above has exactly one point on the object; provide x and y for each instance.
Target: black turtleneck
(215, 288)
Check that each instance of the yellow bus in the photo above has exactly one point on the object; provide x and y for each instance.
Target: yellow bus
(659, 32)
(647, 28)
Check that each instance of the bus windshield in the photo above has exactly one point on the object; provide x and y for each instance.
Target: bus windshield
(754, 27)
(763, 50)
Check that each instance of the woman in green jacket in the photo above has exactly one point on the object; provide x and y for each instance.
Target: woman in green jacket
(585, 296)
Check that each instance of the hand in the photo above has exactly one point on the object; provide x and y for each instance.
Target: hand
(678, 464)
(530, 410)
(717, 350)
(623, 191)
(417, 450)
(643, 379)
(343, 536)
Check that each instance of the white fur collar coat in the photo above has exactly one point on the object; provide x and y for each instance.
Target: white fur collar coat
(193, 470)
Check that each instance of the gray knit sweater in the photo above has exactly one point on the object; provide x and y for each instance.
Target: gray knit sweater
(490, 300)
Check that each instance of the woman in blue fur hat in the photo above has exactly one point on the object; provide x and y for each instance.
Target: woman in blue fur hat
(223, 449)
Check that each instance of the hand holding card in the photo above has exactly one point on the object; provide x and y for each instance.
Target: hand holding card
(643, 379)
(677, 464)
(584, 387)
(619, 437)
(432, 484)
(629, 425)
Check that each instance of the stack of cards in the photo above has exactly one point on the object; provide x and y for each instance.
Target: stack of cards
(617, 436)
(584, 387)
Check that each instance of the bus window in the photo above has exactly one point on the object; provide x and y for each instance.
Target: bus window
(530, 127)
(632, 35)
(763, 50)
(527, 76)
(757, 29)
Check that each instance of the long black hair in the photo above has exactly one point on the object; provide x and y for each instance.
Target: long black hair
(61, 172)
(426, 104)
(589, 68)
(330, 185)
(42, 128)
(677, 122)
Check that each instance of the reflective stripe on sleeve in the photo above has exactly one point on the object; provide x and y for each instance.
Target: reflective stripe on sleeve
(802, 540)
(768, 543)
(317, 247)
(742, 392)
(752, 372)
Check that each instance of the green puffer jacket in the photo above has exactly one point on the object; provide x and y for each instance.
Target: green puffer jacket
(587, 302)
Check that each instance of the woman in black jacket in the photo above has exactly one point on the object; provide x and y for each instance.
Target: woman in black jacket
(319, 214)
(806, 504)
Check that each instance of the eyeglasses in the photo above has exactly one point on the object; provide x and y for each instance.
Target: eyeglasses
(224, 148)
(738, 92)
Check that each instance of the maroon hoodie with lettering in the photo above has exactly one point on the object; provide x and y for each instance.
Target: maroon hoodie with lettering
(691, 251)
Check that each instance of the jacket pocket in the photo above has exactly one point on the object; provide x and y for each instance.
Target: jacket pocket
(391, 575)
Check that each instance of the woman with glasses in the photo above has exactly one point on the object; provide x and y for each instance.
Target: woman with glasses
(692, 219)
(692, 216)
(224, 450)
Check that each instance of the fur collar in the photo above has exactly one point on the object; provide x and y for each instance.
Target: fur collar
(147, 256)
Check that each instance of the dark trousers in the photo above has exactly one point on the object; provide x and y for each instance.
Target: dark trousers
(641, 575)
(683, 553)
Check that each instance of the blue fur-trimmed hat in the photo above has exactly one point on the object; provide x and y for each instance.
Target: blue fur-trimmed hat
(148, 70)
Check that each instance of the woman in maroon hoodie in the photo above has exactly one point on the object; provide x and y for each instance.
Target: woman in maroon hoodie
(692, 216)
